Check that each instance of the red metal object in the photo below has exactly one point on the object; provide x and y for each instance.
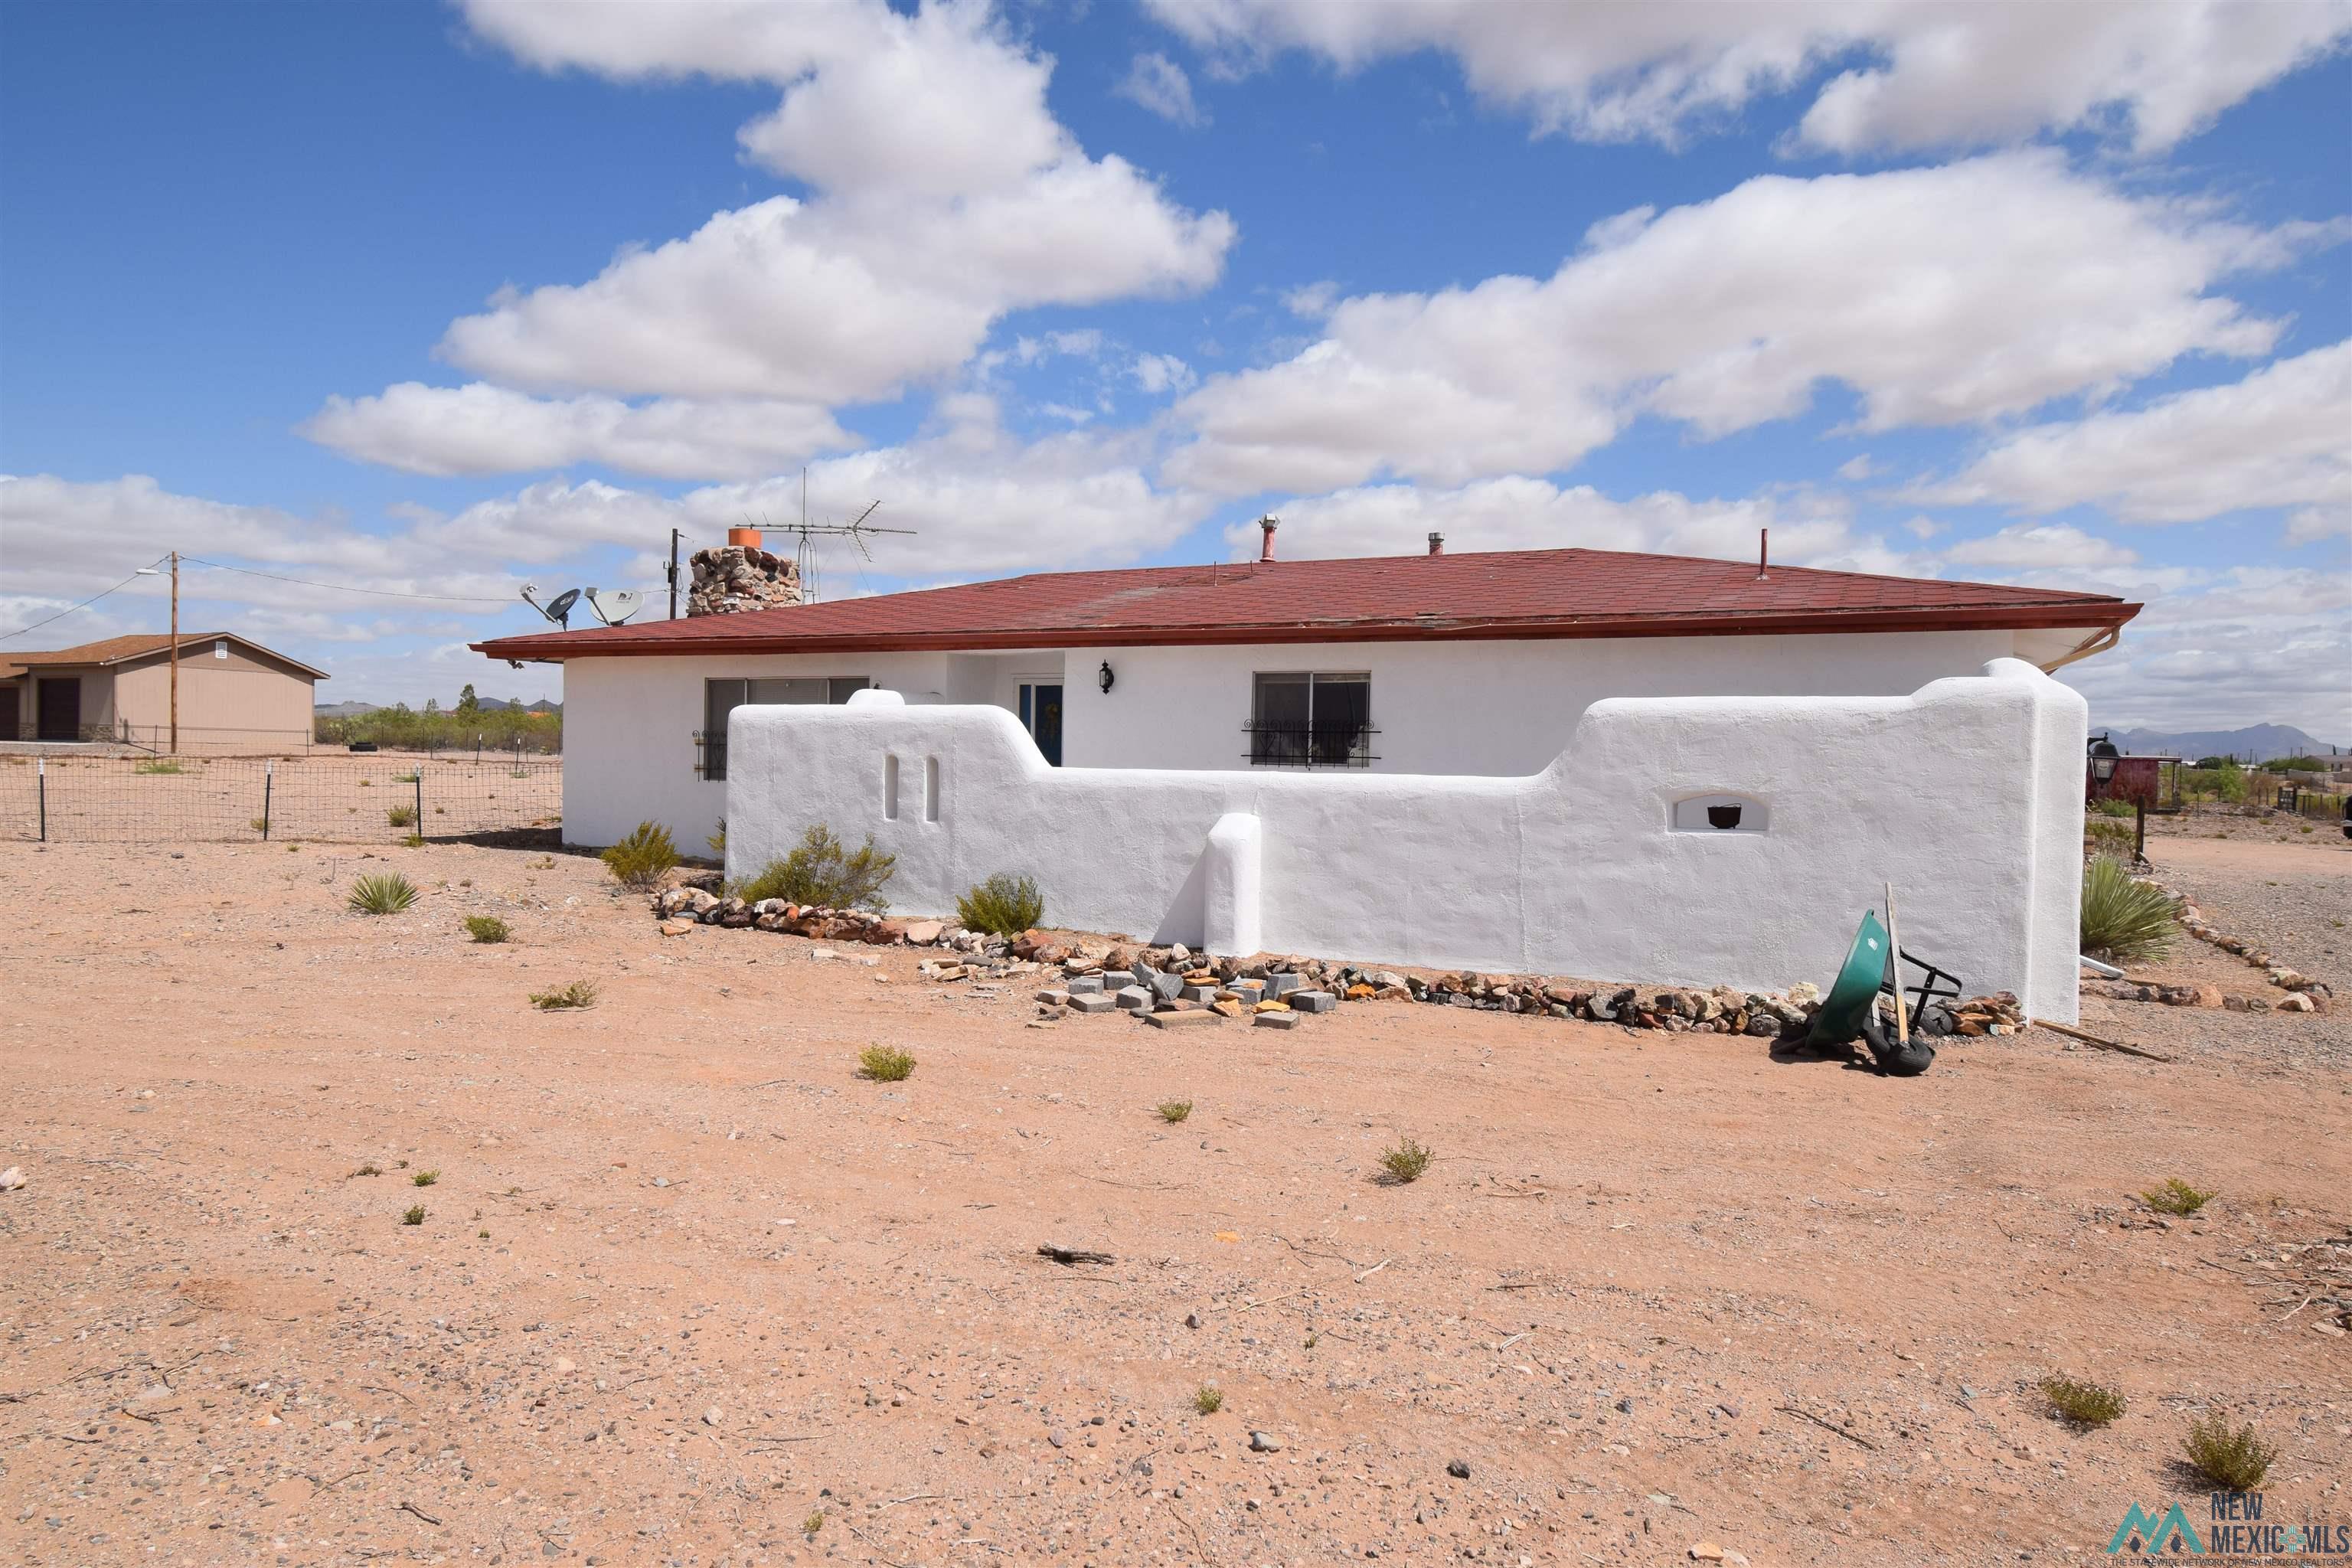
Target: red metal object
(2135, 781)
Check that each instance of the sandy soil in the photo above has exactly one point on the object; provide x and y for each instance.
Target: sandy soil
(685, 1291)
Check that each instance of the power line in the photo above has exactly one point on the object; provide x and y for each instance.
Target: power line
(85, 605)
(344, 587)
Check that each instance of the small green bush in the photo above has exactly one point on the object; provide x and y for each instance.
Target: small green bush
(401, 816)
(261, 825)
(425, 1178)
(385, 893)
(488, 928)
(1174, 1110)
(161, 765)
(639, 860)
(2123, 917)
(2088, 1404)
(415, 1215)
(2109, 837)
(718, 841)
(1408, 1159)
(1005, 905)
(823, 871)
(579, 994)
(2236, 1461)
(1208, 1399)
(885, 1063)
(2121, 808)
(2177, 1197)
(407, 778)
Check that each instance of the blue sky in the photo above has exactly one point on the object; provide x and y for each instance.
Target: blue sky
(433, 301)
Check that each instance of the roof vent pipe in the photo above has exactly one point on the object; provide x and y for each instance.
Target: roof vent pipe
(746, 537)
(1269, 522)
(1437, 545)
(1763, 554)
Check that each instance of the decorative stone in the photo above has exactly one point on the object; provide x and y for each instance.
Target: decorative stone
(1286, 1019)
(1090, 1001)
(1179, 1020)
(1133, 999)
(1085, 985)
(1312, 1002)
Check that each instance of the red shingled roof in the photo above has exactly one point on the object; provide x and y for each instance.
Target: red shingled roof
(1505, 593)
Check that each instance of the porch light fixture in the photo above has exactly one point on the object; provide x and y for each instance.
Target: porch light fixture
(2104, 757)
(1104, 678)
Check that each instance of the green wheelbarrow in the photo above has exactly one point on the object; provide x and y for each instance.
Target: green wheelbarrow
(1850, 1011)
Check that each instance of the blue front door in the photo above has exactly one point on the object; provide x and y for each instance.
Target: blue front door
(1041, 715)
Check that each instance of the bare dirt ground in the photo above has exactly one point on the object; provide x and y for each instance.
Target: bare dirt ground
(687, 1291)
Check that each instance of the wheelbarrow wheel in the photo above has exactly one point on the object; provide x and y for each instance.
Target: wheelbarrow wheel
(1892, 1058)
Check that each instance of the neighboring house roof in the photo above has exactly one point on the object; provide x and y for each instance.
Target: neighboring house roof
(1503, 594)
(141, 645)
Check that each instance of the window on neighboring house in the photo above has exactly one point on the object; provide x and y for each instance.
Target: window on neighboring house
(220, 647)
(1311, 721)
(721, 698)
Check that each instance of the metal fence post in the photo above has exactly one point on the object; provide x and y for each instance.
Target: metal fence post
(420, 800)
(269, 782)
(41, 766)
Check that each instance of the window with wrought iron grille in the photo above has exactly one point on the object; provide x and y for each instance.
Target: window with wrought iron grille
(1310, 720)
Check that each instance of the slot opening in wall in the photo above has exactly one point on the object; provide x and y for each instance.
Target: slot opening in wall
(890, 786)
(930, 789)
(1721, 813)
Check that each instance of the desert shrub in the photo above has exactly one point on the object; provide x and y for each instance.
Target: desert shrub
(579, 994)
(415, 1215)
(2236, 1461)
(1408, 1159)
(822, 870)
(426, 1178)
(1208, 1399)
(718, 841)
(2123, 917)
(385, 893)
(2084, 1403)
(1173, 1110)
(2176, 1197)
(2225, 784)
(2299, 765)
(885, 1063)
(1005, 905)
(488, 928)
(401, 816)
(2111, 809)
(260, 825)
(161, 765)
(639, 860)
(2108, 836)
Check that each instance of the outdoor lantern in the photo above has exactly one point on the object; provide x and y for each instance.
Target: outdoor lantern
(1105, 678)
(2104, 757)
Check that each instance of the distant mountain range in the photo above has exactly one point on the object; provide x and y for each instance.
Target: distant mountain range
(356, 710)
(2256, 743)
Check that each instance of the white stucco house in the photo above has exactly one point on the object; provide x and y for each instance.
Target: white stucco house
(1470, 664)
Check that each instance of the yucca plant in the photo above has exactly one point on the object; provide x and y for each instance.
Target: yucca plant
(639, 860)
(385, 893)
(1005, 905)
(2123, 917)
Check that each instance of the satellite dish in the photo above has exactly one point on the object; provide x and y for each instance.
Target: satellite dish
(615, 607)
(559, 610)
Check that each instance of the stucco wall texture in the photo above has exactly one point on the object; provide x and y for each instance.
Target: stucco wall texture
(1966, 794)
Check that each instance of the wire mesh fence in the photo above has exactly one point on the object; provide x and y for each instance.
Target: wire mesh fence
(377, 798)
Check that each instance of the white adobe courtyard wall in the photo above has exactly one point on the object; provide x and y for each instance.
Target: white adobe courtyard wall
(1966, 794)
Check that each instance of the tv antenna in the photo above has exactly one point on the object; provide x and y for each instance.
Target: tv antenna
(856, 531)
(558, 610)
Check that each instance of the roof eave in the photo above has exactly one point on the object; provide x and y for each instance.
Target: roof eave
(555, 647)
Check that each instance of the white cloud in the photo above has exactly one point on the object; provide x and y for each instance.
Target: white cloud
(1929, 72)
(1938, 295)
(1522, 513)
(1159, 85)
(2049, 544)
(946, 194)
(483, 429)
(1312, 300)
(1857, 469)
(1157, 373)
(2281, 437)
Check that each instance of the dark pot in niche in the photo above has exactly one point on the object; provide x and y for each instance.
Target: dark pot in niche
(1723, 817)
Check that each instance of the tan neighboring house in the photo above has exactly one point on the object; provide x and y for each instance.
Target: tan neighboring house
(234, 695)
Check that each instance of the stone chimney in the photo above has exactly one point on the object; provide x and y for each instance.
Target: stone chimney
(739, 575)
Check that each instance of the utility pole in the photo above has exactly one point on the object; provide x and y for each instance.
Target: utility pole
(175, 653)
(673, 574)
